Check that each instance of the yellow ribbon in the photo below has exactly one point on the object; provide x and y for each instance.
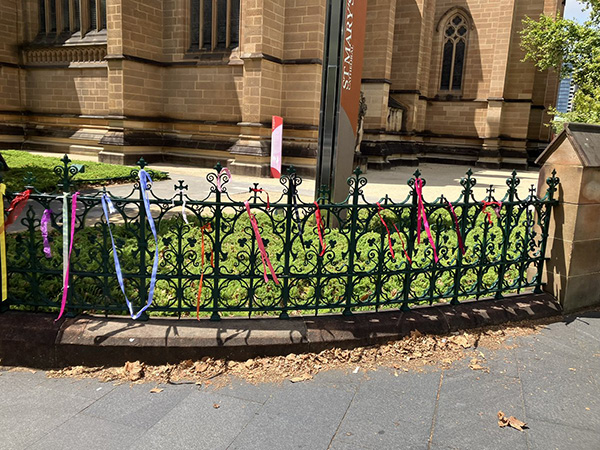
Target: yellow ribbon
(3, 244)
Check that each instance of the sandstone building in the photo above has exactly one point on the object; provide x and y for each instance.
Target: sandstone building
(197, 81)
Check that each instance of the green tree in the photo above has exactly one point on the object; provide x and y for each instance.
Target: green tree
(573, 49)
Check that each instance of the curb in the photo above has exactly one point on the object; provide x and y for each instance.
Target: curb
(35, 340)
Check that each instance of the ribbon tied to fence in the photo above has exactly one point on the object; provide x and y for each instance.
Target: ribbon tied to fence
(225, 171)
(208, 229)
(108, 209)
(46, 218)
(261, 246)
(496, 207)
(379, 209)
(461, 244)
(422, 218)
(320, 228)
(67, 260)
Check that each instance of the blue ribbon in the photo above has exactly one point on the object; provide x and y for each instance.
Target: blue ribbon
(107, 206)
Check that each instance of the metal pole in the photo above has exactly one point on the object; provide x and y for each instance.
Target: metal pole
(330, 94)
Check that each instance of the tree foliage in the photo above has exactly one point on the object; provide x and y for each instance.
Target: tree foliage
(573, 49)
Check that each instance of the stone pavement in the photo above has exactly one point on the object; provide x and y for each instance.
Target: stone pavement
(549, 380)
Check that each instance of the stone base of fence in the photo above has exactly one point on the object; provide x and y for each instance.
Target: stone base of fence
(35, 340)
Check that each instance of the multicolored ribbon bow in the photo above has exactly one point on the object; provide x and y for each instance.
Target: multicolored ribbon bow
(3, 244)
(422, 218)
(225, 171)
(67, 260)
(261, 246)
(496, 206)
(320, 228)
(46, 217)
(380, 208)
(461, 244)
(208, 229)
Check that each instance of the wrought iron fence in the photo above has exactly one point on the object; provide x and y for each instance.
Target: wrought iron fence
(327, 257)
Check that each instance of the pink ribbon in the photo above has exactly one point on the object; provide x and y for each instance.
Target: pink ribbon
(390, 237)
(496, 206)
(261, 246)
(68, 261)
(225, 171)
(422, 217)
(461, 244)
(263, 191)
(320, 228)
(44, 229)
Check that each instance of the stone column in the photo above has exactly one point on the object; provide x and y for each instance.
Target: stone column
(262, 52)
(573, 268)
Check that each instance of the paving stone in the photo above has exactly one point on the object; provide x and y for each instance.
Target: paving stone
(389, 411)
(303, 415)
(88, 388)
(195, 423)
(86, 432)
(35, 411)
(136, 406)
(467, 411)
(258, 393)
(558, 388)
(546, 436)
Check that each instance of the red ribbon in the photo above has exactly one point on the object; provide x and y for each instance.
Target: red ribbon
(461, 244)
(320, 228)
(495, 206)
(261, 191)
(390, 237)
(16, 207)
(261, 246)
(208, 229)
(422, 217)
(68, 261)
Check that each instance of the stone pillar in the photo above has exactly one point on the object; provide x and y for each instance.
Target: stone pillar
(262, 53)
(573, 268)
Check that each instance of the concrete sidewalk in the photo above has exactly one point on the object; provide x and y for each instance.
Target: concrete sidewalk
(549, 380)
(440, 178)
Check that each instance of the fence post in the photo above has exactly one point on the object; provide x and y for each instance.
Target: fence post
(355, 181)
(215, 317)
(287, 248)
(512, 184)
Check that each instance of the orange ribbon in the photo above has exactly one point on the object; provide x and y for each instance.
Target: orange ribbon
(208, 229)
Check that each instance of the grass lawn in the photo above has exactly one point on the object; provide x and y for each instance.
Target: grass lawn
(20, 163)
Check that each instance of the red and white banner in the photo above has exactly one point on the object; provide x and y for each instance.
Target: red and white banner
(276, 145)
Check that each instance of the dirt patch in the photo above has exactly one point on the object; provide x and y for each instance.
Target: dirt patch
(416, 352)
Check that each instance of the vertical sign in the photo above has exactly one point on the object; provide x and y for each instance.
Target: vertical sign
(340, 100)
(276, 144)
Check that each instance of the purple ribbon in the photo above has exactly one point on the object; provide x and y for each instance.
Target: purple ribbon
(107, 206)
(44, 229)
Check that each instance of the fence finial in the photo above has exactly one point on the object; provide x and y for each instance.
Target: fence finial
(142, 163)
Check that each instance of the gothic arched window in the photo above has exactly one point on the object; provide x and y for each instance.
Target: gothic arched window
(456, 32)
(215, 24)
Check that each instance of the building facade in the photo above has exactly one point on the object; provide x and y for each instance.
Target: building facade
(197, 81)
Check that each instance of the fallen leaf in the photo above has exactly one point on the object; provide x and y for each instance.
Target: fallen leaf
(134, 370)
(511, 421)
(415, 334)
(572, 370)
(395, 373)
(156, 390)
(356, 370)
(301, 378)
(216, 406)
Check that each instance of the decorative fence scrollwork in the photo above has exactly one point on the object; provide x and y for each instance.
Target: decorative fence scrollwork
(368, 258)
